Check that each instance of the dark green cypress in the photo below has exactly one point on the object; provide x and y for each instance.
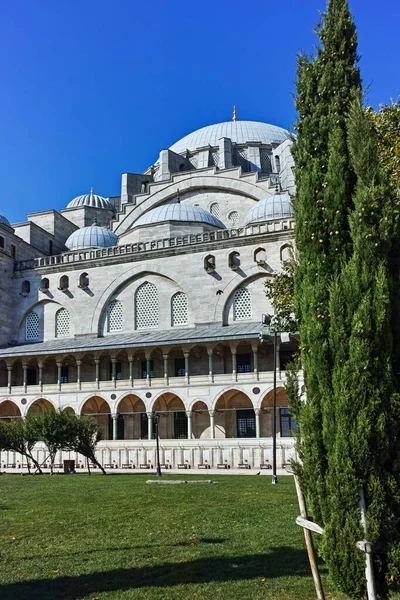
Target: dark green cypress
(325, 180)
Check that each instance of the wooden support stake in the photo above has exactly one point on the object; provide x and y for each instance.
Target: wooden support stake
(309, 543)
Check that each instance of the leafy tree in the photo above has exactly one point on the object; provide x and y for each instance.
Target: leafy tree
(87, 435)
(280, 291)
(20, 435)
(55, 429)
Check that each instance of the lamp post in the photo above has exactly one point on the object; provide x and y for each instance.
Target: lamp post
(155, 422)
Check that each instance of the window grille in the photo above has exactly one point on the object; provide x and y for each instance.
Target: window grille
(115, 316)
(118, 371)
(233, 216)
(180, 425)
(179, 309)
(62, 323)
(242, 304)
(246, 423)
(213, 159)
(288, 424)
(243, 363)
(241, 159)
(64, 376)
(194, 161)
(32, 326)
(31, 376)
(180, 369)
(265, 161)
(144, 368)
(146, 309)
(215, 210)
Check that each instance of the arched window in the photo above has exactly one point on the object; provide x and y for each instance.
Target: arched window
(277, 164)
(62, 323)
(25, 287)
(260, 256)
(242, 304)
(146, 306)
(64, 283)
(115, 316)
(209, 263)
(83, 281)
(44, 285)
(234, 260)
(215, 210)
(32, 326)
(179, 309)
(233, 216)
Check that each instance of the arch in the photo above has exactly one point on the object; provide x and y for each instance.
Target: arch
(266, 412)
(224, 300)
(69, 410)
(64, 283)
(210, 263)
(234, 415)
(131, 404)
(207, 180)
(132, 418)
(40, 405)
(277, 164)
(62, 324)
(115, 316)
(285, 252)
(146, 306)
(215, 209)
(200, 420)
(242, 306)
(234, 260)
(260, 256)
(179, 309)
(44, 285)
(173, 419)
(8, 410)
(83, 281)
(25, 287)
(99, 410)
(32, 326)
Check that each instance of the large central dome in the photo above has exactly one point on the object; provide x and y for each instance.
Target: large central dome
(239, 132)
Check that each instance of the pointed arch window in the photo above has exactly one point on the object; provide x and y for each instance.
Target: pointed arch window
(115, 316)
(242, 304)
(146, 306)
(32, 326)
(179, 309)
(62, 323)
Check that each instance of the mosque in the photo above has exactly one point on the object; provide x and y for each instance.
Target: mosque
(151, 301)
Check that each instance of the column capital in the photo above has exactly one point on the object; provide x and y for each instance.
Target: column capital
(211, 413)
(186, 354)
(97, 360)
(150, 415)
(210, 351)
(78, 362)
(9, 367)
(59, 363)
(166, 356)
(113, 359)
(114, 416)
(189, 414)
(25, 366)
(257, 411)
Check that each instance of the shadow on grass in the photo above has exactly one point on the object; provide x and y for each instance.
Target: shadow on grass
(283, 561)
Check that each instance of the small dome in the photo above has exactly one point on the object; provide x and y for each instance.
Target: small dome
(270, 208)
(178, 212)
(93, 236)
(92, 200)
(4, 221)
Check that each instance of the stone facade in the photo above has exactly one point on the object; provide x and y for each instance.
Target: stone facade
(166, 321)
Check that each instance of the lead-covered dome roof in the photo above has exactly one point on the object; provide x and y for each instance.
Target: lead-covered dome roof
(4, 220)
(239, 132)
(92, 200)
(93, 236)
(270, 208)
(178, 212)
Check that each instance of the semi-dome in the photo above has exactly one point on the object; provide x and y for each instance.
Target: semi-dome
(270, 208)
(93, 236)
(4, 220)
(178, 212)
(92, 200)
(239, 132)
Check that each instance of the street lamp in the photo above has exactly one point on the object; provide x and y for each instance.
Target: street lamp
(285, 337)
(156, 418)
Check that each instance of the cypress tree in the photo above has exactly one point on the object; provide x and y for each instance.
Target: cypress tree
(326, 83)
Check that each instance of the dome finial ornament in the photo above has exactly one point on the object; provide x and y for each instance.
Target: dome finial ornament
(234, 118)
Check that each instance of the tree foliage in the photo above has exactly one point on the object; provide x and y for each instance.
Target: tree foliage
(86, 437)
(280, 291)
(20, 435)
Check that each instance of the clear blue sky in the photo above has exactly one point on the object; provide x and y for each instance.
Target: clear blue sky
(91, 89)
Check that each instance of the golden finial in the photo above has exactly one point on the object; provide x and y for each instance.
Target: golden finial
(234, 114)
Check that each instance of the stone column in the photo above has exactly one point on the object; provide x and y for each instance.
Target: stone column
(165, 357)
(9, 376)
(114, 417)
(130, 359)
(114, 371)
(257, 412)
(97, 364)
(40, 376)
(148, 370)
(78, 373)
(212, 424)
(150, 418)
(210, 352)
(255, 361)
(25, 376)
(234, 372)
(189, 415)
(59, 365)
(186, 355)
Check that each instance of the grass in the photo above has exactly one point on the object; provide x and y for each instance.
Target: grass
(115, 537)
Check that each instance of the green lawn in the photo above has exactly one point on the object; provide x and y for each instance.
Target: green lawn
(96, 537)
